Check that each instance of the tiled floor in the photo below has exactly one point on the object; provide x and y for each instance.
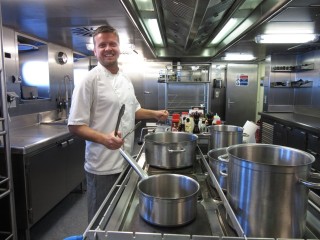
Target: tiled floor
(68, 218)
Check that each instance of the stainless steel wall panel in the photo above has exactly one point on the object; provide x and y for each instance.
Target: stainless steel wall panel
(11, 59)
(304, 100)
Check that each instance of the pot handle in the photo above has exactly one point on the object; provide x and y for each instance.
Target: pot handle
(223, 173)
(176, 150)
(245, 135)
(133, 164)
(223, 158)
(311, 184)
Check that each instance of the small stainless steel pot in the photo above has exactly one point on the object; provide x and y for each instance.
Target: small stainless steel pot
(170, 150)
(165, 199)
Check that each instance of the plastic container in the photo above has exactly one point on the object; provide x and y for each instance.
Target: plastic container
(216, 119)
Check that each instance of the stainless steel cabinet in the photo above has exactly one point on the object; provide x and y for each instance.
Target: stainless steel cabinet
(44, 177)
(289, 136)
(313, 147)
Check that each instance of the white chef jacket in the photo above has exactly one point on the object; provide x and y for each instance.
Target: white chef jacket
(96, 102)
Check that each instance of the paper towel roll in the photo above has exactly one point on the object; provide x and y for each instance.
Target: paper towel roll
(250, 128)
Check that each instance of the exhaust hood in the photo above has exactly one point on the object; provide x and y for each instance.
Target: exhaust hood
(191, 30)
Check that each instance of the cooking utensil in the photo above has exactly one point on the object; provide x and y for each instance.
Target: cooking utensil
(218, 162)
(170, 150)
(267, 189)
(224, 135)
(121, 112)
(132, 130)
(165, 199)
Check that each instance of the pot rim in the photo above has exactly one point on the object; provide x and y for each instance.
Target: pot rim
(258, 145)
(148, 140)
(191, 195)
(225, 128)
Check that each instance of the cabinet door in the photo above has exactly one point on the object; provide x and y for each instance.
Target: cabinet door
(74, 158)
(313, 147)
(45, 181)
(296, 138)
(279, 134)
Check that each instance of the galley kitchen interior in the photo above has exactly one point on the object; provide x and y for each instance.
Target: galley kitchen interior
(240, 80)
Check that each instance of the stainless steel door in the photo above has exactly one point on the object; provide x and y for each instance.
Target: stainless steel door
(241, 93)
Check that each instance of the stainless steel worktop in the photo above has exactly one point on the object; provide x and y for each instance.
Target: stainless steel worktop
(31, 138)
(118, 217)
(298, 120)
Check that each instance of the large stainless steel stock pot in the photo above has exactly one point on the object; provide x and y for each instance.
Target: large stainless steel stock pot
(224, 135)
(165, 199)
(170, 150)
(267, 189)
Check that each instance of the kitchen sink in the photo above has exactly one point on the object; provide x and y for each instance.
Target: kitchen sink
(56, 122)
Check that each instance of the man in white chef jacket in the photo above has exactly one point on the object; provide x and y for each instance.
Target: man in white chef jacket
(96, 102)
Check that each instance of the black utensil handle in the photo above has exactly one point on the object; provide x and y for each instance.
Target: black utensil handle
(121, 112)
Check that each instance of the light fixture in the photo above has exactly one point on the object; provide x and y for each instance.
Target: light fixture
(148, 15)
(154, 30)
(226, 30)
(286, 38)
(238, 57)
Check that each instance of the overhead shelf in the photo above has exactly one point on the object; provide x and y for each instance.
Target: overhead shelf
(297, 68)
(186, 86)
(292, 84)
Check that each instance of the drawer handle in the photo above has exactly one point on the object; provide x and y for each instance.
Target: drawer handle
(312, 152)
(63, 144)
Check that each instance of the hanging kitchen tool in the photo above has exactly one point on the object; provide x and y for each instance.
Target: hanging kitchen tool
(165, 199)
(121, 112)
(132, 130)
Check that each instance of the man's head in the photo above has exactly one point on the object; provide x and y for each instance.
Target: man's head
(107, 47)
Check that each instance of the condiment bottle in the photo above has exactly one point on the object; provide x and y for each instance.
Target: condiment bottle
(216, 119)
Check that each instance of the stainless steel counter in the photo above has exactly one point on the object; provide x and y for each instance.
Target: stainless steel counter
(31, 138)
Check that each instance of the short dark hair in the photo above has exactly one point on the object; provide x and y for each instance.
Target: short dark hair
(105, 29)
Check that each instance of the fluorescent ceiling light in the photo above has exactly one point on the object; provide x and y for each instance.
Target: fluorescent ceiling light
(238, 57)
(286, 38)
(154, 31)
(225, 30)
(144, 5)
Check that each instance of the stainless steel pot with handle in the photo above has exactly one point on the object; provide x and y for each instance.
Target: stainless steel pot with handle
(224, 136)
(218, 162)
(267, 189)
(165, 199)
(170, 150)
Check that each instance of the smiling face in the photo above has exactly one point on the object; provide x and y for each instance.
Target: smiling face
(107, 50)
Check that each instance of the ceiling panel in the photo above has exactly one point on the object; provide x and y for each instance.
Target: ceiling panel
(188, 25)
